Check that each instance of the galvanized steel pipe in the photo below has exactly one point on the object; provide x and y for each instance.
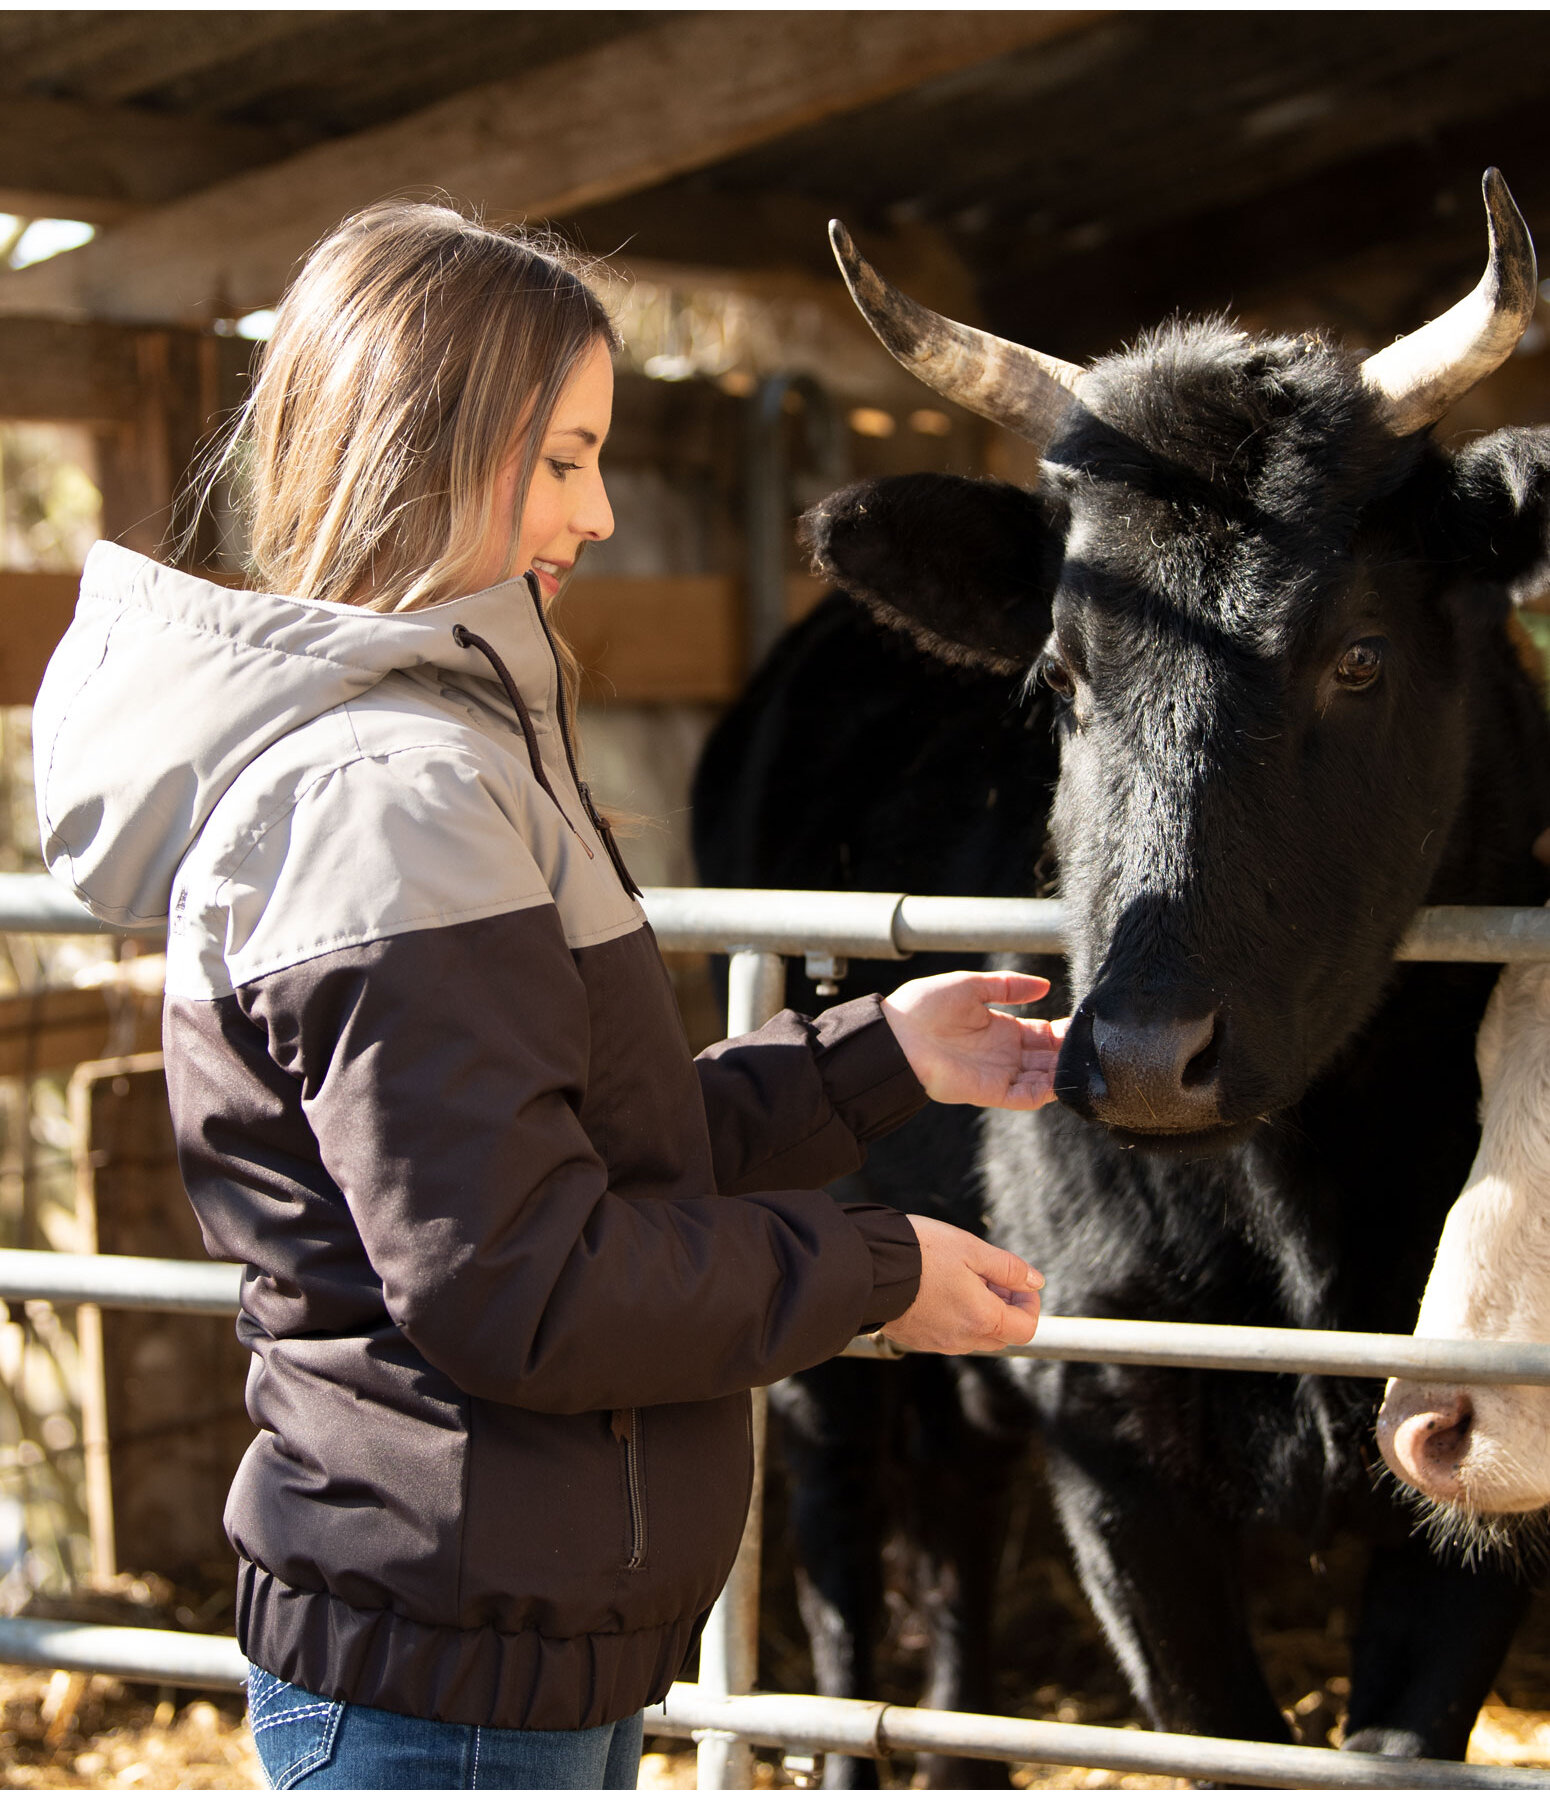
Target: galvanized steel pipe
(169, 1658)
(162, 1284)
(792, 922)
(787, 921)
(796, 921)
(41, 904)
(135, 1283)
(866, 1728)
(859, 1727)
(729, 1645)
(1283, 1350)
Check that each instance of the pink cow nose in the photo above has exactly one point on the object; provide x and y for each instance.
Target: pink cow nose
(1426, 1446)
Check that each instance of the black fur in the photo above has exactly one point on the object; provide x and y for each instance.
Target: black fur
(1241, 831)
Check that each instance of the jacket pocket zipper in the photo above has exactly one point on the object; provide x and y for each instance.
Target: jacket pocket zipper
(625, 1423)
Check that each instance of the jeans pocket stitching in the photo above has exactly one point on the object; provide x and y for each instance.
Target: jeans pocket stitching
(287, 1718)
(320, 1752)
(262, 1686)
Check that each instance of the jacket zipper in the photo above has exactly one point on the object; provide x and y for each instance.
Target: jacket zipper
(599, 824)
(625, 1423)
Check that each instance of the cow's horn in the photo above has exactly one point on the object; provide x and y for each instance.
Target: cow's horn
(1417, 379)
(1014, 386)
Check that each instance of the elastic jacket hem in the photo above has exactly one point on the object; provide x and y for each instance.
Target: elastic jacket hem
(510, 1679)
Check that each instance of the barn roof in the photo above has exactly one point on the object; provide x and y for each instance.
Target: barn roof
(1067, 175)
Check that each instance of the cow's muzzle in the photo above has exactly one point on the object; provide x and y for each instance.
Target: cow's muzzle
(1156, 1076)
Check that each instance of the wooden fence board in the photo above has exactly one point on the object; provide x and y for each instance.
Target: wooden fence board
(654, 639)
(34, 611)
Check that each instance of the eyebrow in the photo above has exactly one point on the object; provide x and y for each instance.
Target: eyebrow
(589, 438)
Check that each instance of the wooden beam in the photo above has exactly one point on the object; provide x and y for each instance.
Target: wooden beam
(1407, 203)
(771, 243)
(678, 95)
(64, 159)
(652, 639)
(89, 373)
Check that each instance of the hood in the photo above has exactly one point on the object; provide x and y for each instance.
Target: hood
(167, 686)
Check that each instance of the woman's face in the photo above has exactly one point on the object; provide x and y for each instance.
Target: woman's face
(566, 506)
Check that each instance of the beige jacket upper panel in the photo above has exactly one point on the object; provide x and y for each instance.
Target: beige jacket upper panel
(305, 776)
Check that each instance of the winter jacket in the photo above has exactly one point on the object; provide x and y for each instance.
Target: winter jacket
(513, 1257)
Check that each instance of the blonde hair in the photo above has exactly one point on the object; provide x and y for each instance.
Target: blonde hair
(416, 350)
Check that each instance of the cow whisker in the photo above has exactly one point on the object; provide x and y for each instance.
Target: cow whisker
(1518, 1543)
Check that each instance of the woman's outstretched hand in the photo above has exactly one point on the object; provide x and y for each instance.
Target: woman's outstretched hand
(973, 1297)
(964, 1052)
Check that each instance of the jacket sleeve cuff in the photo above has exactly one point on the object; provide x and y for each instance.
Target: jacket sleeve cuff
(865, 1074)
(895, 1259)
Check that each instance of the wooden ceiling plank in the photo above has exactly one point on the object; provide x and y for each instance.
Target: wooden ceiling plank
(117, 56)
(1392, 200)
(78, 161)
(675, 96)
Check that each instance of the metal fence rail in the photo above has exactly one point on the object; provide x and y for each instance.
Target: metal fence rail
(759, 928)
(810, 1722)
(795, 922)
(159, 1284)
(868, 1728)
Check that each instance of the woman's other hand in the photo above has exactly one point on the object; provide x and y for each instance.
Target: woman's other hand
(965, 1053)
(973, 1298)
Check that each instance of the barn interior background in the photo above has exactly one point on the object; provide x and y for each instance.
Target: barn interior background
(1062, 178)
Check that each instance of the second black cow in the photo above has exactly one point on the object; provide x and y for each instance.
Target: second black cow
(1269, 617)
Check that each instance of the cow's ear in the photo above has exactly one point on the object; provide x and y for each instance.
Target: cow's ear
(967, 568)
(1500, 511)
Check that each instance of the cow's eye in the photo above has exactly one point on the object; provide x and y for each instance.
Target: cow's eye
(1362, 663)
(1056, 676)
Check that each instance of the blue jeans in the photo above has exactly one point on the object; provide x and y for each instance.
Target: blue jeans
(305, 1741)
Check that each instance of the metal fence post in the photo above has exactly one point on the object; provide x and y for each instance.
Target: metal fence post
(729, 1650)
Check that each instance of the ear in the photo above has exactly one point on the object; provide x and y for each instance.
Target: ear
(967, 568)
(1500, 523)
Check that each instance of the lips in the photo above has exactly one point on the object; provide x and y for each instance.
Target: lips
(550, 574)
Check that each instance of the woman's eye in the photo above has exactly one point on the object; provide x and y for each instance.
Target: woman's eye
(561, 469)
(1056, 676)
(1362, 663)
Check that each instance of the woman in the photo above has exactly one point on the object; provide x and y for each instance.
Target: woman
(513, 1258)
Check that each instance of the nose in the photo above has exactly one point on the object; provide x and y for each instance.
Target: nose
(1158, 1074)
(594, 518)
(1425, 1438)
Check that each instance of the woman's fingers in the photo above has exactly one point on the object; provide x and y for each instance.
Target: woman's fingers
(1019, 1320)
(999, 1267)
(1009, 987)
(973, 1297)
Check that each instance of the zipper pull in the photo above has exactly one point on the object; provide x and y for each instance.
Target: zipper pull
(621, 1422)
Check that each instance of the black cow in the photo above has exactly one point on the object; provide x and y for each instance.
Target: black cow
(1271, 617)
(970, 767)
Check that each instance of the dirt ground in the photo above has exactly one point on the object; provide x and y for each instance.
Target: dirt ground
(70, 1731)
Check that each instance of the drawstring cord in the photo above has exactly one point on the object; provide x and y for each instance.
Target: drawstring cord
(469, 640)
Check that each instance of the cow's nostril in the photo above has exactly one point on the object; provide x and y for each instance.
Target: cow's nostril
(1202, 1068)
(1429, 1444)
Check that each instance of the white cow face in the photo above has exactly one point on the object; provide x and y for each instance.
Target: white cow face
(1486, 1450)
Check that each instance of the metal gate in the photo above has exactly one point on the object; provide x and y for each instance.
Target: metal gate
(723, 1712)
